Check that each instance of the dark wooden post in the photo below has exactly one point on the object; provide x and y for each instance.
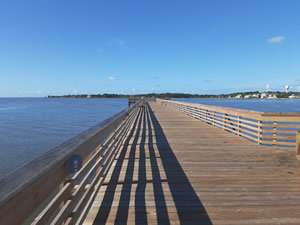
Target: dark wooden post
(274, 133)
(297, 142)
(259, 132)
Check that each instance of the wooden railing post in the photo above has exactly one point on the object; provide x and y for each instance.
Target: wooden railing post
(197, 112)
(224, 120)
(193, 111)
(297, 142)
(239, 125)
(274, 132)
(259, 132)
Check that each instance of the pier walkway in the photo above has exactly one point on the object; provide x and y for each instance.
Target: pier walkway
(175, 169)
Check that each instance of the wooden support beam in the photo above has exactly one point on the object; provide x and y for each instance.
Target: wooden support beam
(259, 132)
(297, 142)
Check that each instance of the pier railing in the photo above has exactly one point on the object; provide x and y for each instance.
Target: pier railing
(268, 128)
(60, 186)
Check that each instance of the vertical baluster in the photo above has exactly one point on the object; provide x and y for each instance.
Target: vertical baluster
(274, 133)
(224, 120)
(239, 126)
(297, 142)
(193, 111)
(259, 132)
(61, 186)
(200, 114)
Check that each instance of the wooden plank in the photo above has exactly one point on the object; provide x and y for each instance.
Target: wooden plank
(278, 143)
(282, 126)
(183, 171)
(280, 137)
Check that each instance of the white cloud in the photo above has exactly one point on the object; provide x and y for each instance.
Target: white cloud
(119, 42)
(75, 91)
(40, 92)
(133, 89)
(113, 43)
(268, 86)
(154, 77)
(111, 78)
(277, 39)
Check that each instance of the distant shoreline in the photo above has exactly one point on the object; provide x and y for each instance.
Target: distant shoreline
(248, 99)
(238, 96)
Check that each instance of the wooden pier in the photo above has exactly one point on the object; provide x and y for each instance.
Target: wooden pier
(167, 163)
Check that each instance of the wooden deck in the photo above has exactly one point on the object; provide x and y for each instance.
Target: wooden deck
(174, 169)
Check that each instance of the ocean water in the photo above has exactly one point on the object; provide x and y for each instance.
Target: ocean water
(251, 104)
(30, 127)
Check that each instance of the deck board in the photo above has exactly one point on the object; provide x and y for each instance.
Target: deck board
(174, 169)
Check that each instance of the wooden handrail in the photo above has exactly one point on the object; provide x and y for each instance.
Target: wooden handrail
(268, 128)
(23, 190)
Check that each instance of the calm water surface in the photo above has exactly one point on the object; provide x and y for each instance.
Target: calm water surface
(251, 104)
(32, 126)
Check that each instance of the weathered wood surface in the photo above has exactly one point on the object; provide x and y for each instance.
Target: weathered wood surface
(174, 169)
(267, 128)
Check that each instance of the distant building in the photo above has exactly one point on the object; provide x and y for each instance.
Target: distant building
(251, 96)
(272, 96)
(268, 96)
(263, 95)
(238, 96)
(293, 96)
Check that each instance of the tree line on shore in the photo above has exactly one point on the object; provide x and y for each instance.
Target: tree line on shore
(178, 95)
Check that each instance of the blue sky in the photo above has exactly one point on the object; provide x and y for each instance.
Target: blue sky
(197, 46)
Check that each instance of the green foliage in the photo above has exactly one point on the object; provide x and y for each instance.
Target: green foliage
(176, 95)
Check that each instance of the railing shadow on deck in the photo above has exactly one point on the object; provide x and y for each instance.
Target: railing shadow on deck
(178, 182)
(188, 206)
(108, 198)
